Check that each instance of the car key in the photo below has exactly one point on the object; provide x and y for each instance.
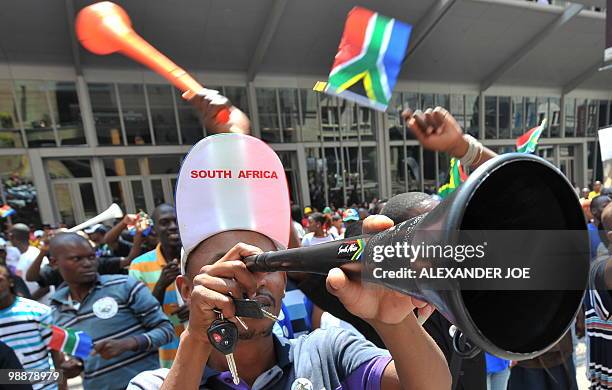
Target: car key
(251, 309)
(223, 336)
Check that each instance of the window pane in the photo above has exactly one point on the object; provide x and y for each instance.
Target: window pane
(134, 114)
(543, 112)
(398, 169)
(10, 135)
(117, 193)
(139, 197)
(366, 125)
(429, 171)
(490, 116)
(471, 115)
(89, 200)
(19, 189)
(238, 97)
(518, 116)
(442, 100)
(162, 114)
(369, 158)
(67, 113)
(289, 114)
(457, 109)
(158, 192)
(581, 117)
(531, 113)
(504, 117)
(189, 118)
(316, 177)
(394, 119)
(32, 97)
(164, 164)
(65, 203)
(333, 161)
(426, 101)
(592, 117)
(268, 114)
(554, 122)
(106, 114)
(570, 117)
(603, 114)
(330, 123)
(310, 122)
(349, 119)
(121, 166)
(68, 168)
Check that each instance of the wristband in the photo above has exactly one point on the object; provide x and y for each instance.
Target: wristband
(473, 153)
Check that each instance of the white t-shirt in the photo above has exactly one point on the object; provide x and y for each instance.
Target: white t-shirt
(299, 229)
(12, 258)
(310, 239)
(334, 232)
(25, 261)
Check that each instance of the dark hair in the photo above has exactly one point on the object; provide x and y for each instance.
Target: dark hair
(296, 213)
(336, 217)
(599, 202)
(62, 238)
(323, 219)
(158, 210)
(11, 278)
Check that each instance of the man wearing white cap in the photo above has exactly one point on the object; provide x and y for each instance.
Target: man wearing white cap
(232, 202)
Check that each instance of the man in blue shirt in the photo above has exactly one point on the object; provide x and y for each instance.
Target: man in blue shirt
(124, 320)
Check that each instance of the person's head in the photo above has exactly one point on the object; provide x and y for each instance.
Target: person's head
(7, 285)
(353, 229)
(598, 204)
(96, 233)
(408, 205)
(337, 221)
(2, 251)
(351, 215)
(597, 186)
(19, 234)
(166, 228)
(584, 193)
(296, 213)
(327, 210)
(363, 213)
(270, 285)
(307, 211)
(606, 221)
(318, 223)
(74, 257)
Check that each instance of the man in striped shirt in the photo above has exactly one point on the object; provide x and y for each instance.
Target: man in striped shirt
(22, 328)
(158, 274)
(118, 312)
(598, 314)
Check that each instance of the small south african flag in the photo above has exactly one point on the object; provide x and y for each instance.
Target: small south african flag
(527, 142)
(456, 176)
(73, 342)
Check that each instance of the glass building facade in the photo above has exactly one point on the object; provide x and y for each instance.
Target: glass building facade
(70, 148)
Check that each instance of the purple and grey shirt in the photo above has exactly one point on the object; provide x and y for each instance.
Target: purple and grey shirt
(329, 359)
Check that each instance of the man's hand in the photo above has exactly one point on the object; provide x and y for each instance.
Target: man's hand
(130, 219)
(71, 367)
(168, 274)
(437, 130)
(109, 349)
(209, 103)
(371, 302)
(216, 283)
(182, 313)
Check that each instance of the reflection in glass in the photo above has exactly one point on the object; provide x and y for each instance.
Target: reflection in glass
(35, 113)
(581, 117)
(369, 160)
(504, 117)
(394, 119)
(543, 112)
(65, 203)
(238, 97)
(310, 122)
(139, 197)
(315, 167)
(121, 166)
(19, 188)
(570, 117)
(189, 119)
(117, 193)
(335, 177)
(68, 168)
(158, 192)
(134, 114)
(592, 117)
(429, 171)
(491, 117)
(162, 114)
(457, 109)
(554, 121)
(268, 114)
(289, 113)
(531, 114)
(105, 113)
(89, 200)
(10, 134)
(330, 123)
(471, 115)
(518, 117)
(67, 113)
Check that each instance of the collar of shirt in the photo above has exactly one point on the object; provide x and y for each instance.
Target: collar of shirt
(62, 295)
(282, 351)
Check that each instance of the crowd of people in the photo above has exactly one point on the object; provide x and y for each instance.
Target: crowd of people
(147, 305)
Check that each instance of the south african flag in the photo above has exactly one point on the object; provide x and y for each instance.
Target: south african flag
(73, 342)
(456, 176)
(369, 59)
(527, 142)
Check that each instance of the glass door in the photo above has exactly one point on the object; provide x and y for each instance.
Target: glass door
(75, 200)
